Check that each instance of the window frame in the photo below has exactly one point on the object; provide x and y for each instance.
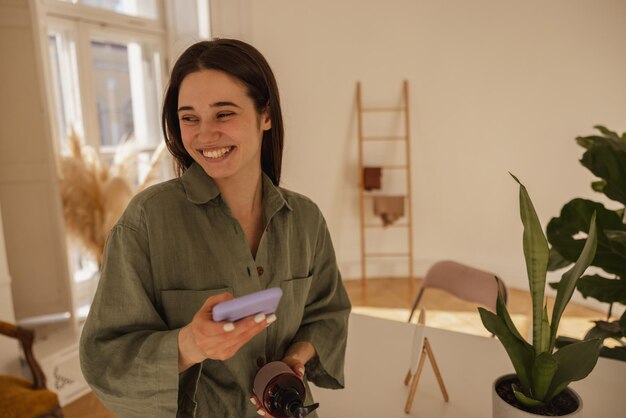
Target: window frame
(84, 31)
(105, 17)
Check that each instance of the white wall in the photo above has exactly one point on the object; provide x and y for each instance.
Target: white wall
(496, 86)
(31, 203)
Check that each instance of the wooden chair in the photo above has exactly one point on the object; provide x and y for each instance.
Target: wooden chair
(20, 398)
(464, 282)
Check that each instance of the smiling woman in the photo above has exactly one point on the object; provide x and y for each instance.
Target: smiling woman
(244, 67)
(222, 229)
(220, 127)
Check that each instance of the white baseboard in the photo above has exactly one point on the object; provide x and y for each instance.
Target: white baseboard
(58, 356)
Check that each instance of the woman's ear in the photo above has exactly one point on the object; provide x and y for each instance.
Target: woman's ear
(266, 119)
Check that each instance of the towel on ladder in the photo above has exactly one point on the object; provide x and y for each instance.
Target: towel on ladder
(372, 178)
(389, 208)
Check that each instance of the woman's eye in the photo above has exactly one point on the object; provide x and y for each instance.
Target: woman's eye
(224, 115)
(188, 119)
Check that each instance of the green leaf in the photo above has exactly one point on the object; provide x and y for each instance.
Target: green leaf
(616, 353)
(622, 323)
(544, 369)
(556, 261)
(575, 362)
(545, 332)
(593, 141)
(526, 400)
(588, 142)
(617, 236)
(598, 186)
(503, 314)
(603, 289)
(609, 164)
(536, 252)
(575, 218)
(568, 280)
(520, 352)
(607, 132)
(604, 330)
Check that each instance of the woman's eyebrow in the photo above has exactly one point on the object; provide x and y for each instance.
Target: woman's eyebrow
(216, 104)
(222, 104)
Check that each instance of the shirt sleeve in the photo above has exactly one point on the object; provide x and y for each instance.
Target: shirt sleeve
(325, 320)
(128, 355)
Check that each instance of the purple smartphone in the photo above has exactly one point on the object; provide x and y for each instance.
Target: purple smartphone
(264, 301)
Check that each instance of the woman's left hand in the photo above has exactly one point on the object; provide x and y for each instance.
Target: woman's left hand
(296, 358)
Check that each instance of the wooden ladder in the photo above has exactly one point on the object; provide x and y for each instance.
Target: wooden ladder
(363, 194)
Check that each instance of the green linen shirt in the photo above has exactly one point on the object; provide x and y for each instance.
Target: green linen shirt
(177, 244)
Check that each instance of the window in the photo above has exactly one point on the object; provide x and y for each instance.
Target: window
(122, 91)
(106, 78)
(142, 8)
(105, 74)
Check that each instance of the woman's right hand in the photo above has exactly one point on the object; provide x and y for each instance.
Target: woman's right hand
(203, 338)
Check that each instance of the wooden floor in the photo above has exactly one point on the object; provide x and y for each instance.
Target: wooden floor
(392, 299)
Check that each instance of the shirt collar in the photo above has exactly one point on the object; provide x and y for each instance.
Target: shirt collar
(201, 188)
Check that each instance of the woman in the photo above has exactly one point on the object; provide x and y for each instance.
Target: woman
(222, 229)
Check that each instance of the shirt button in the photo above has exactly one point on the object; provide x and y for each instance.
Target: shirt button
(259, 270)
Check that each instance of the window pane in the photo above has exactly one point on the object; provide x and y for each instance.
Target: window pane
(128, 96)
(141, 8)
(128, 93)
(112, 87)
(62, 50)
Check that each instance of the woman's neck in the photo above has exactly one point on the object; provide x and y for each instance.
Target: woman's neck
(244, 200)
(243, 196)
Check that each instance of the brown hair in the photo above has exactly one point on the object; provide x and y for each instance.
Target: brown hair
(245, 63)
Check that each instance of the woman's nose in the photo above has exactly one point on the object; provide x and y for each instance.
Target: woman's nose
(209, 130)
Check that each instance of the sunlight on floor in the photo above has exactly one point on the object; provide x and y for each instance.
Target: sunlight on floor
(469, 322)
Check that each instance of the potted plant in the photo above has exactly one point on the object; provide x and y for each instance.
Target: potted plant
(539, 385)
(605, 157)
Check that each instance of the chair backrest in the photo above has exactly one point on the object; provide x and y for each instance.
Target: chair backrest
(465, 282)
(26, 338)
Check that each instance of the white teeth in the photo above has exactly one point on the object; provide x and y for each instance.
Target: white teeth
(215, 153)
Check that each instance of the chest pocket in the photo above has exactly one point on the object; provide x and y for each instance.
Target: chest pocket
(293, 302)
(180, 306)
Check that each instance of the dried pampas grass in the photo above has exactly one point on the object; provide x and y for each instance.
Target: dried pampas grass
(95, 194)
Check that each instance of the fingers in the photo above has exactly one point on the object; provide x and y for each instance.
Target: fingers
(298, 355)
(259, 407)
(296, 365)
(211, 301)
(230, 342)
(219, 342)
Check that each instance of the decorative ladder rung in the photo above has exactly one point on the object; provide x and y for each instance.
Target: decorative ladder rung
(387, 254)
(386, 226)
(385, 138)
(383, 109)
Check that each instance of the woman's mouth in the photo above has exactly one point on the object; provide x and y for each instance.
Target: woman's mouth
(217, 153)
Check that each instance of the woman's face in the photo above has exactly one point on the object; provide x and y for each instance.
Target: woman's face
(219, 125)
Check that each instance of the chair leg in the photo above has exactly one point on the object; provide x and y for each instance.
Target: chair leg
(417, 300)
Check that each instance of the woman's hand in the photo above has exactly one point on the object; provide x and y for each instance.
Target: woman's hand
(296, 357)
(205, 339)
